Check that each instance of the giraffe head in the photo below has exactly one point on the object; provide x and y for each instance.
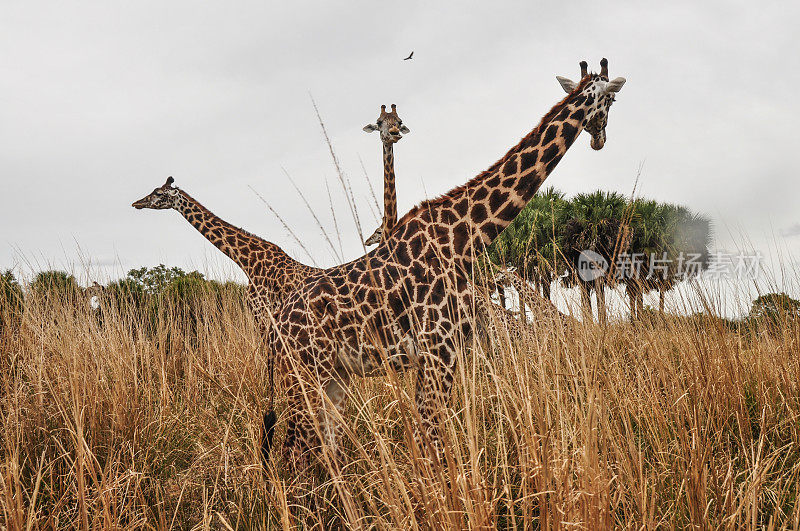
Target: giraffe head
(504, 274)
(390, 125)
(598, 94)
(162, 198)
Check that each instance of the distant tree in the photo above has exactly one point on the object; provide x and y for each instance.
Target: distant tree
(687, 248)
(172, 285)
(531, 243)
(648, 239)
(668, 244)
(186, 288)
(191, 300)
(593, 222)
(774, 309)
(11, 300)
(125, 293)
(232, 291)
(51, 286)
(154, 280)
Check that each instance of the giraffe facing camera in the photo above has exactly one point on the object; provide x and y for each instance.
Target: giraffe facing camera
(599, 92)
(391, 130)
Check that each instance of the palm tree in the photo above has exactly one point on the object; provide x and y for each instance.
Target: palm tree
(663, 237)
(593, 223)
(688, 235)
(648, 240)
(544, 260)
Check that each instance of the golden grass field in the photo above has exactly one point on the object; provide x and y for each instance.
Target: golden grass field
(672, 423)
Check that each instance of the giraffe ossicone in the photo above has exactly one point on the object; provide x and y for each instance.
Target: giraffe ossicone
(406, 304)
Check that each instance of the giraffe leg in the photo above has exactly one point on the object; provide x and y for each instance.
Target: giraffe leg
(313, 421)
(267, 432)
(330, 413)
(300, 432)
(270, 417)
(433, 387)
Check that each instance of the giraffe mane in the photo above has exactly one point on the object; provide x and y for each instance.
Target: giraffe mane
(455, 192)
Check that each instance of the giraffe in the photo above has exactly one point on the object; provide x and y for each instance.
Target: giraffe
(494, 321)
(93, 295)
(272, 273)
(405, 304)
(391, 130)
(530, 297)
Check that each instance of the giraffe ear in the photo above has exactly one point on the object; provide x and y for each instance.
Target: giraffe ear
(370, 128)
(405, 130)
(567, 84)
(615, 84)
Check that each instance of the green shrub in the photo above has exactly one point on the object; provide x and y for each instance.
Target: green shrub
(154, 280)
(49, 286)
(125, 293)
(11, 301)
(774, 310)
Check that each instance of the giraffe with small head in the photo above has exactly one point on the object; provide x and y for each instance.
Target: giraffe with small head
(272, 273)
(530, 297)
(406, 303)
(93, 295)
(391, 130)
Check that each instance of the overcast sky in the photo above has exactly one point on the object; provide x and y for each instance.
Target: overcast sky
(100, 102)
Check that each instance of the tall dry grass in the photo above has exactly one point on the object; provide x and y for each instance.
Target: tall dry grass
(118, 422)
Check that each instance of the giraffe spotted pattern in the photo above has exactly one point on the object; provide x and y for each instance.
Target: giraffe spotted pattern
(406, 304)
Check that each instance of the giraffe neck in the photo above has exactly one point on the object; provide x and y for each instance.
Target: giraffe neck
(254, 255)
(478, 211)
(389, 191)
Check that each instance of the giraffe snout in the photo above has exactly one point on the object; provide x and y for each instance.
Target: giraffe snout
(599, 140)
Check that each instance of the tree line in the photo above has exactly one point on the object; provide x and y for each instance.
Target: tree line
(593, 241)
(144, 296)
(600, 240)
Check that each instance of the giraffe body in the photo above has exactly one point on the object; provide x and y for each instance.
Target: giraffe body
(407, 303)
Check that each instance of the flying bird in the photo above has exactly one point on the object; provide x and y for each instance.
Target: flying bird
(409, 56)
